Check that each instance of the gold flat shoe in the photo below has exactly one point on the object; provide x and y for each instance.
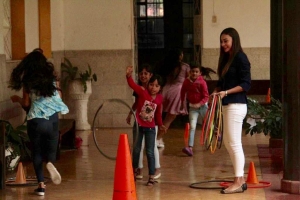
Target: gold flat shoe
(244, 186)
(238, 190)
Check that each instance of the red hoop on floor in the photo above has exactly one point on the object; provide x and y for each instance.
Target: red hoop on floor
(261, 184)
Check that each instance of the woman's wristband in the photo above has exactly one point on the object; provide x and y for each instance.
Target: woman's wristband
(226, 93)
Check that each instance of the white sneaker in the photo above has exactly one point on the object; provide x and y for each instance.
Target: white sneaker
(157, 174)
(54, 174)
(40, 191)
(139, 173)
(160, 143)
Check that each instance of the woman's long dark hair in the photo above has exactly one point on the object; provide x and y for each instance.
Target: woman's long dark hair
(225, 58)
(35, 74)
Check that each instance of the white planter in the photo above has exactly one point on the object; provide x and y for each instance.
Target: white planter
(80, 101)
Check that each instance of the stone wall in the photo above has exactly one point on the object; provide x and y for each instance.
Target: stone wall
(110, 67)
(12, 112)
(258, 57)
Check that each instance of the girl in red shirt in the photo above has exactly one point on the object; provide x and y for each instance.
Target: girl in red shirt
(148, 114)
(145, 73)
(194, 90)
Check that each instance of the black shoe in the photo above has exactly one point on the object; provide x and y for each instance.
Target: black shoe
(39, 191)
(244, 186)
(238, 190)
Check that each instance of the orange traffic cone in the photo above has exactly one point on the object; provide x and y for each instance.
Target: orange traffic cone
(124, 185)
(252, 179)
(20, 177)
(186, 134)
(268, 97)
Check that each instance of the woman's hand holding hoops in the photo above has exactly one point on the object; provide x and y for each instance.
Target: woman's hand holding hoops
(221, 93)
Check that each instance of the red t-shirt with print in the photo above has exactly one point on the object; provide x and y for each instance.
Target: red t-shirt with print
(148, 110)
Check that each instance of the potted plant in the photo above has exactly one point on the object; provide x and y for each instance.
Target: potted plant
(79, 91)
(71, 73)
(16, 144)
(267, 120)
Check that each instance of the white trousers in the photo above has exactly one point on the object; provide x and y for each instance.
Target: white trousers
(233, 115)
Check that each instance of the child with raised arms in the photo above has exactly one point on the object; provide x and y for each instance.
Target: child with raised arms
(145, 72)
(148, 114)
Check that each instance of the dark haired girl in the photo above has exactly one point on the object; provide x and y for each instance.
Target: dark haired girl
(175, 71)
(148, 113)
(42, 101)
(144, 74)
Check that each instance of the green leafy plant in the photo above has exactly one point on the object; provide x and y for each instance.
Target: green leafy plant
(16, 143)
(71, 73)
(268, 119)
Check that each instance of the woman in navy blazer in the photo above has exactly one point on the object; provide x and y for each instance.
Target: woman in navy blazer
(234, 81)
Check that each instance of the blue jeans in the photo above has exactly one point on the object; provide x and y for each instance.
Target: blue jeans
(44, 137)
(149, 134)
(156, 152)
(193, 116)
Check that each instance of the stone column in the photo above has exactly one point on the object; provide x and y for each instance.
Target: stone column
(291, 96)
(80, 100)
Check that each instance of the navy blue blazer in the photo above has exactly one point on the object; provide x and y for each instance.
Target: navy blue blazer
(238, 74)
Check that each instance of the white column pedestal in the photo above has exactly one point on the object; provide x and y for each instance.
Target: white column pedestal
(80, 100)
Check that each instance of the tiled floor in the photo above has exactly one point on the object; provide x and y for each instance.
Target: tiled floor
(89, 175)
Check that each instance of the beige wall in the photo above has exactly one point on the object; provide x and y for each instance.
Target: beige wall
(97, 24)
(57, 25)
(86, 32)
(91, 32)
(1, 28)
(259, 59)
(8, 110)
(109, 65)
(251, 18)
(100, 33)
(31, 25)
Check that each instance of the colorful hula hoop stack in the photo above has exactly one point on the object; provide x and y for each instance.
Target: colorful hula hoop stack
(212, 128)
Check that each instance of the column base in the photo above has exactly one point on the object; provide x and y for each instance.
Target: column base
(275, 143)
(292, 187)
(82, 126)
(85, 137)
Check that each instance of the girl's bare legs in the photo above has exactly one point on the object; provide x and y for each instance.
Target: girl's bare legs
(167, 122)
